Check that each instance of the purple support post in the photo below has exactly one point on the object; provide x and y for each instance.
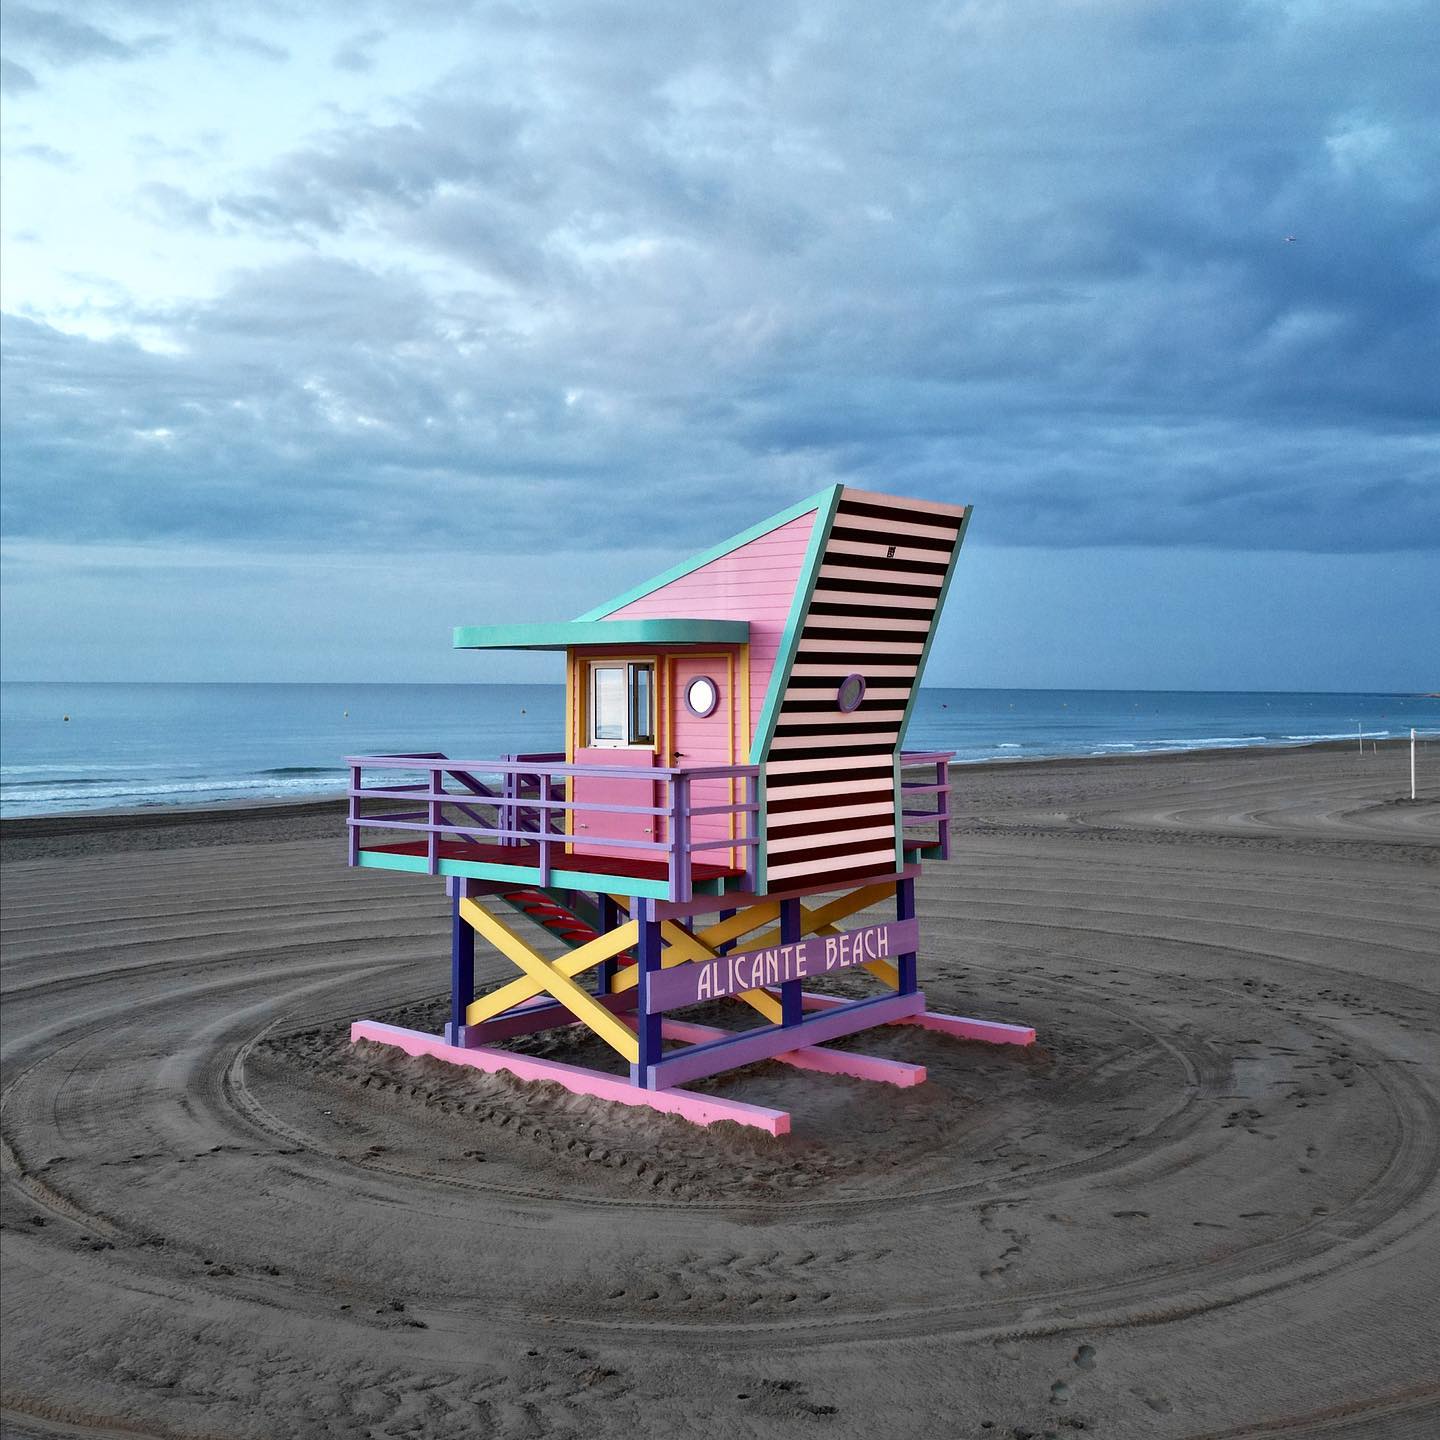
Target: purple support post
(726, 946)
(462, 964)
(791, 1007)
(605, 971)
(647, 1026)
(905, 910)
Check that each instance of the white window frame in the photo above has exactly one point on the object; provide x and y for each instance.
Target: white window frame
(625, 667)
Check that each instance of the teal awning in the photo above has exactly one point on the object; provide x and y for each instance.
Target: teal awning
(565, 633)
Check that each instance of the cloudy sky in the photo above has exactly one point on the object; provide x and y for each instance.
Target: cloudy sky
(327, 327)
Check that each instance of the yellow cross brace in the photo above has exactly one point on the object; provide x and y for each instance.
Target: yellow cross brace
(553, 977)
(821, 921)
(681, 946)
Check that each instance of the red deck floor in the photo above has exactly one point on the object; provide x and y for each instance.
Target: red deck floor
(530, 855)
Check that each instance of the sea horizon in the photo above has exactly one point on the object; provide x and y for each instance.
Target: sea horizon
(73, 746)
(559, 685)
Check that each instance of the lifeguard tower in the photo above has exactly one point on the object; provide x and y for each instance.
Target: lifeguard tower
(732, 788)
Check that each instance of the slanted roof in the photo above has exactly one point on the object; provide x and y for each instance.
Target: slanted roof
(816, 502)
(566, 633)
(762, 576)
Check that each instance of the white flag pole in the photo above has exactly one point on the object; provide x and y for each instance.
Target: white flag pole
(1412, 762)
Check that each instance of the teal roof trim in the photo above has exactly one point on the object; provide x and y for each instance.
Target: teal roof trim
(567, 633)
(817, 501)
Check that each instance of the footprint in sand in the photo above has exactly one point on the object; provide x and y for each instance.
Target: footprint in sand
(1059, 1393)
(1085, 1358)
(1160, 1404)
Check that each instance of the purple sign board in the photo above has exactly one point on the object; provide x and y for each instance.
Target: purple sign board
(698, 980)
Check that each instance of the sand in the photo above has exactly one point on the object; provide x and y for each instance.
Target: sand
(1205, 1204)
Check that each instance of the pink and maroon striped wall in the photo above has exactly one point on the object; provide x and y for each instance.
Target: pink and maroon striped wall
(829, 773)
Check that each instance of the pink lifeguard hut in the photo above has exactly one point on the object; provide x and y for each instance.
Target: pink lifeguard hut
(732, 788)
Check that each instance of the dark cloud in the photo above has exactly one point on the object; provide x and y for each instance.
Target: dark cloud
(220, 38)
(60, 39)
(169, 205)
(15, 79)
(45, 154)
(147, 147)
(642, 271)
(356, 54)
(384, 170)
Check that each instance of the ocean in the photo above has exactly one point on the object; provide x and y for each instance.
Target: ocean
(128, 746)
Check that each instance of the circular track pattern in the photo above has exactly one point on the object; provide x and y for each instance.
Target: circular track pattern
(1204, 1204)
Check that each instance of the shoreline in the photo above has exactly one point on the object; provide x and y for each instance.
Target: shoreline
(239, 813)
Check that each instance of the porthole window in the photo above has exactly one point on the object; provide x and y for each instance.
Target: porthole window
(701, 696)
(850, 693)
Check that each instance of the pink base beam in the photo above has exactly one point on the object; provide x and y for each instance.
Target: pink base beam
(688, 1104)
(994, 1032)
(813, 1057)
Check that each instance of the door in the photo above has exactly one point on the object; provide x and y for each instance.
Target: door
(617, 730)
(701, 733)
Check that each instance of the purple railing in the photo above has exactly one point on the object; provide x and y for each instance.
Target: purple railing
(935, 765)
(523, 800)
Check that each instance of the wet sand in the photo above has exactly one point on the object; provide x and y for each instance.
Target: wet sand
(1204, 1205)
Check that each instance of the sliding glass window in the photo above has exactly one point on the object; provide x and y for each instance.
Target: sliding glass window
(622, 703)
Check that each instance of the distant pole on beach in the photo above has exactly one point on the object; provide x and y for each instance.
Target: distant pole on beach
(1412, 762)
(1360, 736)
